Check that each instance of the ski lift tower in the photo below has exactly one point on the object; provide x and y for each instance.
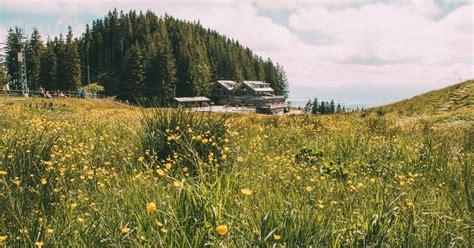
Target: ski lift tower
(22, 60)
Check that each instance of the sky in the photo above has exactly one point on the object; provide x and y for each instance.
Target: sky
(365, 52)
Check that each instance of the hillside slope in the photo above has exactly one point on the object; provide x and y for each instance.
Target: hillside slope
(454, 98)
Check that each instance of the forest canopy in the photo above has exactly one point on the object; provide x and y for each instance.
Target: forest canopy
(138, 54)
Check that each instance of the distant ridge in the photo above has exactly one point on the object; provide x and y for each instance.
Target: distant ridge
(454, 98)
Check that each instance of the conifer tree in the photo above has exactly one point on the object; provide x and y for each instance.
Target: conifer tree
(48, 67)
(133, 74)
(161, 73)
(61, 63)
(282, 87)
(34, 51)
(332, 107)
(338, 108)
(13, 47)
(314, 109)
(71, 63)
(322, 108)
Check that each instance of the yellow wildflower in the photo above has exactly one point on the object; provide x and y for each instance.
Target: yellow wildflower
(39, 244)
(2, 172)
(309, 188)
(3, 238)
(44, 181)
(160, 172)
(246, 191)
(125, 229)
(276, 237)
(150, 207)
(222, 229)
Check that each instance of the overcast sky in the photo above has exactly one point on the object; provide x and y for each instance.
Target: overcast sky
(367, 51)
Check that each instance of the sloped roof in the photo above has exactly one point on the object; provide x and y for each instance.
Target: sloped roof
(258, 86)
(227, 84)
(191, 99)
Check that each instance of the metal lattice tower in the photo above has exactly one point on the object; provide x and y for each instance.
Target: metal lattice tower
(22, 60)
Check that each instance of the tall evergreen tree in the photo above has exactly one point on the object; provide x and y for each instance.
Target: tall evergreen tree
(161, 73)
(34, 51)
(315, 107)
(72, 63)
(132, 80)
(48, 67)
(13, 48)
(61, 64)
(322, 108)
(282, 87)
(332, 107)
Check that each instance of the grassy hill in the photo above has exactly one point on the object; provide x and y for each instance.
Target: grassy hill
(455, 98)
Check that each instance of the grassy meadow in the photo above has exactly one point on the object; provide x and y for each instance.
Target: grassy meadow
(94, 173)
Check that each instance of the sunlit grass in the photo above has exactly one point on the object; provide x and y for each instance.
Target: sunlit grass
(84, 173)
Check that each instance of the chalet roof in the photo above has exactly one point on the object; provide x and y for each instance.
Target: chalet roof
(191, 99)
(227, 84)
(258, 86)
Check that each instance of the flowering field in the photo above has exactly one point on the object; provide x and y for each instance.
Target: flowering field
(93, 173)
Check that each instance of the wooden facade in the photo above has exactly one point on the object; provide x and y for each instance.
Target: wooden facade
(256, 94)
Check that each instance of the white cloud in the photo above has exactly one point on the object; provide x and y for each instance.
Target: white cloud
(399, 43)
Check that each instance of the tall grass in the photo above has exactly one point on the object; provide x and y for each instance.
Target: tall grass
(283, 182)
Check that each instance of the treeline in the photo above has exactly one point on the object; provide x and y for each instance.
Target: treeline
(323, 107)
(54, 66)
(140, 54)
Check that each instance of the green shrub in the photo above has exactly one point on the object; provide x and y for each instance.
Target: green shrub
(176, 138)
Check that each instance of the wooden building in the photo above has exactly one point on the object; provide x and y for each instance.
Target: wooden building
(223, 92)
(256, 94)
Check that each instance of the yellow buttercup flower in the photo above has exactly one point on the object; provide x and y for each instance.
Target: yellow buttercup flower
(276, 237)
(3, 238)
(160, 172)
(44, 181)
(309, 188)
(246, 191)
(222, 229)
(150, 207)
(39, 244)
(177, 184)
(2, 172)
(125, 229)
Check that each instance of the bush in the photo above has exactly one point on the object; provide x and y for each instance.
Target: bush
(179, 139)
